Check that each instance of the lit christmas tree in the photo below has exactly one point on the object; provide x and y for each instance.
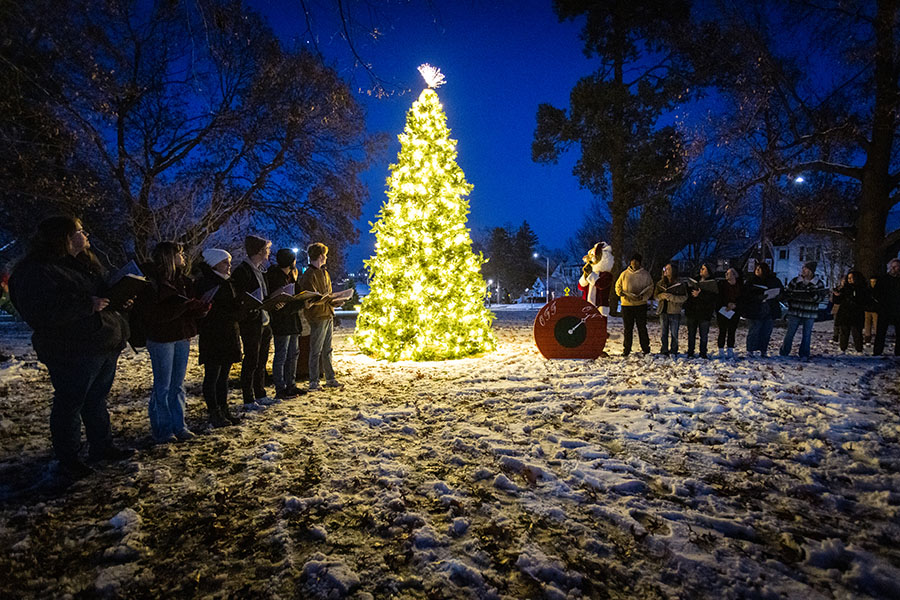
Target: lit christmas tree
(426, 299)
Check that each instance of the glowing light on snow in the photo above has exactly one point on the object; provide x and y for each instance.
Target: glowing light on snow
(432, 75)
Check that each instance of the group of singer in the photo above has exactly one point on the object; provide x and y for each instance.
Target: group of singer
(860, 307)
(62, 292)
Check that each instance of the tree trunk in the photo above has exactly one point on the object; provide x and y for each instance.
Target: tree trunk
(875, 194)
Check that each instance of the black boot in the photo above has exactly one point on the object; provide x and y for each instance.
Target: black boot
(227, 415)
(217, 419)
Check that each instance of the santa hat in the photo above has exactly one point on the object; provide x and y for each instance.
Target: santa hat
(213, 256)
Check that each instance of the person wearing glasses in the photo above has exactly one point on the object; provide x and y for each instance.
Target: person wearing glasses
(58, 289)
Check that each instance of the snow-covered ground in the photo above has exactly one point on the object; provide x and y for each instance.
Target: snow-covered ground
(500, 476)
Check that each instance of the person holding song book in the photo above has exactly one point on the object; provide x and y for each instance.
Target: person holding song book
(256, 334)
(671, 295)
(59, 290)
(759, 305)
(286, 326)
(169, 312)
(320, 313)
(220, 342)
(699, 308)
(727, 315)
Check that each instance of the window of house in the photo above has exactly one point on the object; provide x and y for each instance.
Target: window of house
(782, 254)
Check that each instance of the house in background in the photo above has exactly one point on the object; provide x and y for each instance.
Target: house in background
(833, 253)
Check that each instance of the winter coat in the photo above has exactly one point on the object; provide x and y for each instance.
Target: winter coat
(700, 307)
(638, 283)
(245, 281)
(728, 293)
(286, 320)
(669, 304)
(168, 309)
(55, 298)
(803, 297)
(317, 279)
(220, 340)
(887, 296)
(851, 301)
(753, 304)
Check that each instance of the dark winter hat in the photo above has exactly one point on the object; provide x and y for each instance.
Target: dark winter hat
(637, 256)
(285, 258)
(811, 265)
(254, 244)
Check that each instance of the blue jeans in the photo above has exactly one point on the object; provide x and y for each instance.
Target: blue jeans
(284, 363)
(320, 349)
(670, 325)
(169, 361)
(759, 332)
(793, 323)
(80, 387)
(693, 325)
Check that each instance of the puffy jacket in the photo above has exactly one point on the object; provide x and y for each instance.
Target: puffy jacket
(54, 297)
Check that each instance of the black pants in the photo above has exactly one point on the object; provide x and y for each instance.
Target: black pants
(631, 316)
(885, 321)
(256, 340)
(727, 327)
(693, 325)
(844, 331)
(215, 387)
(80, 387)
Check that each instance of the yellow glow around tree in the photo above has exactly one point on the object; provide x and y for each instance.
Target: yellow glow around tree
(426, 299)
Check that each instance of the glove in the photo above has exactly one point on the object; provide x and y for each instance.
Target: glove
(604, 310)
(587, 269)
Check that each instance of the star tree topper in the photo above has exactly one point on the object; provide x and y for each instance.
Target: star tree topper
(432, 75)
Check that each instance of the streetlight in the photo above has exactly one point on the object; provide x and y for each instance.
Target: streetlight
(547, 288)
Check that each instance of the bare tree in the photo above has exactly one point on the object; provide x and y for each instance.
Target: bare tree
(195, 114)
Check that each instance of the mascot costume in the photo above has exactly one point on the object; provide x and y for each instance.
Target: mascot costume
(575, 326)
(596, 278)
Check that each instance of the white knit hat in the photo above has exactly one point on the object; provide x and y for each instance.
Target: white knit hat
(213, 256)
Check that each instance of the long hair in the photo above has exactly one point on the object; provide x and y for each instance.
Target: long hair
(51, 241)
(163, 256)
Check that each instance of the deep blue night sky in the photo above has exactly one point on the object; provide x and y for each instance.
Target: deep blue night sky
(501, 59)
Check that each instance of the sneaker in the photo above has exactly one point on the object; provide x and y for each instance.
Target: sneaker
(266, 401)
(169, 439)
(110, 452)
(314, 387)
(334, 384)
(297, 391)
(252, 406)
(75, 469)
(284, 394)
(184, 435)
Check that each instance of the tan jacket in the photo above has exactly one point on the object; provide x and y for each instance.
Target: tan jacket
(634, 287)
(317, 280)
(669, 303)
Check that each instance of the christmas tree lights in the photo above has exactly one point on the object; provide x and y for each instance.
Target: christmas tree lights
(426, 299)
